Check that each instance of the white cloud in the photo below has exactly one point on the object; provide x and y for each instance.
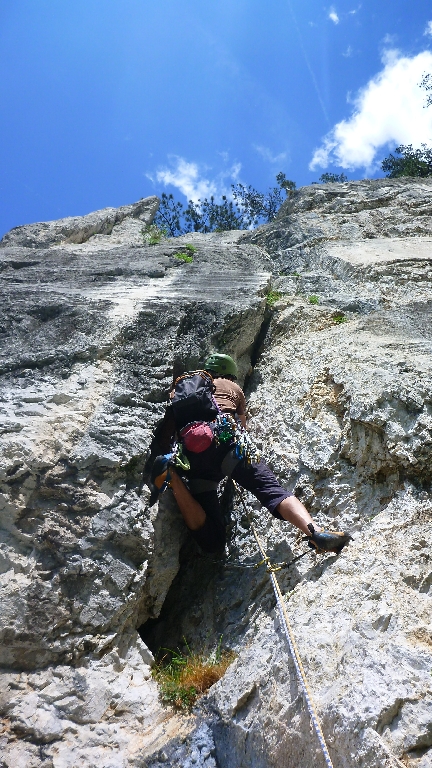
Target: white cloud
(333, 15)
(348, 53)
(428, 30)
(268, 155)
(390, 109)
(191, 180)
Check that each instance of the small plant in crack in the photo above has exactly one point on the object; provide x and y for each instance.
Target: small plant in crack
(338, 319)
(191, 248)
(187, 258)
(184, 677)
(132, 466)
(313, 300)
(272, 297)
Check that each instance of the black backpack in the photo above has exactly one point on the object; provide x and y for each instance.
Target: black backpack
(193, 398)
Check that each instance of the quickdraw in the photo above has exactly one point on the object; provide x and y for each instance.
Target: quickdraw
(228, 430)
(179, 459)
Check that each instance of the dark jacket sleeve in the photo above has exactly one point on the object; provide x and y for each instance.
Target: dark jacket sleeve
(164, 433)
(162, 441)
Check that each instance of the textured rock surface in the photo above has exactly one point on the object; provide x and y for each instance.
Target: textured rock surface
(343, 411)
(340, 401)
(109, 227)
(89, 341)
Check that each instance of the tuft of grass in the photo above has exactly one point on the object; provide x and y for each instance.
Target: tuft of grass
(191, 248)
(186, 257)
(338, 319)
(183, 678)
(152, 235)
(313, 300)
(132, 465)
(272, 297)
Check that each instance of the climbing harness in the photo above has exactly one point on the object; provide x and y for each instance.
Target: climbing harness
(286, 625)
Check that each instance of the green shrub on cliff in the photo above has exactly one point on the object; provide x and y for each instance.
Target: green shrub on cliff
(186, 257)
(152, 234)
(411, 162)
(247, 209)
(272, 297)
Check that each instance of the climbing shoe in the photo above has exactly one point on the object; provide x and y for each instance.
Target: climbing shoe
(327, 541)
(160, 476)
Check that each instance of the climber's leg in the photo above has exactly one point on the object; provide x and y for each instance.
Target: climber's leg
(292, 510)
(260, 480)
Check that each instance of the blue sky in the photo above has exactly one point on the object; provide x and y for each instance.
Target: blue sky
(104, 102)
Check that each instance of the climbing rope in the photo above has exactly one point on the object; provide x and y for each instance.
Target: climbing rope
(274, 566)
(286, 625)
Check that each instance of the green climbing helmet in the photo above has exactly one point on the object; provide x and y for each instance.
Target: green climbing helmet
(224, 365)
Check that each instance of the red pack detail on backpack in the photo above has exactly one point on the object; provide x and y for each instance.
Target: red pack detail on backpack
(197, 437)
(193, 399)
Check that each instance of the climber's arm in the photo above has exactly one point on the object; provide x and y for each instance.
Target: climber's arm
(192, 512)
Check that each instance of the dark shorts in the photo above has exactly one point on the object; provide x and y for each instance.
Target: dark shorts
(260, 480)
(256, 478)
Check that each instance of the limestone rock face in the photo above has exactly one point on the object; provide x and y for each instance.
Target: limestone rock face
(90, 339)
(340, 402)
(352, 433)
(113, 225)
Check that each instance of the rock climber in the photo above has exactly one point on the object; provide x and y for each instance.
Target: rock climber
(195, 489)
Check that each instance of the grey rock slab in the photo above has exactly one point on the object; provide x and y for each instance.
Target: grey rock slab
(383, 251)
(197, 750)
(342, 412)
(79, 229)
(104, 711)
(358, 630)
(369, 239)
